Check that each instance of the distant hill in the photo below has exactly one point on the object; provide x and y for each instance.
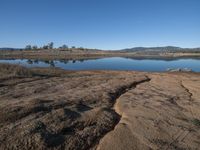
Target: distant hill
(161, 49)
(9, 48)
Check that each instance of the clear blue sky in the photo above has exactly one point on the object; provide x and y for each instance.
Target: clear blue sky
(105, 24)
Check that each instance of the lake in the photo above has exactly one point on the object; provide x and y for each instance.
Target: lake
(113, 63)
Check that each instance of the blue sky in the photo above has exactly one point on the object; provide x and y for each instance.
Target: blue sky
(104, 24)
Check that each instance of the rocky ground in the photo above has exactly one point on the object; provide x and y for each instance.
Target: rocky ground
(56, 109)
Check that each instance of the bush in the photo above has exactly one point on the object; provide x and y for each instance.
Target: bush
(8, 70)
(196, 122)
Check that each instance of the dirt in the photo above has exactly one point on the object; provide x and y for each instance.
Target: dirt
(56, 109)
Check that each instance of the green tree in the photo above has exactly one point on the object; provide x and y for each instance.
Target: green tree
(81, 48)
(28, 47)
(64, 47)
(35, 47)
(45, 47)
(50, 45)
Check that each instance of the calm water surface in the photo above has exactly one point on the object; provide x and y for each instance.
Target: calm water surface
(114, 63)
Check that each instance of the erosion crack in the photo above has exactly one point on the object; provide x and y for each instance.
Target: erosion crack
(121, 91)
(187, 90)
(124, 89)
(190, 96)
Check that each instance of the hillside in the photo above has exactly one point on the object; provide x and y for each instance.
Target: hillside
(161, 49)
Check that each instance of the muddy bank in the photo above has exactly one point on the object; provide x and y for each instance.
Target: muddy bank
(56, 109)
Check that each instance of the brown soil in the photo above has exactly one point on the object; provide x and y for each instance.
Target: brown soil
(56, 109)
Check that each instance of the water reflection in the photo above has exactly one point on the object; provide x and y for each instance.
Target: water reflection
(50, 62)
(114, 63)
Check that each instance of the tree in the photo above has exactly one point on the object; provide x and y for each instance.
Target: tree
(73, 47)
(45, 47)
(64, 47)
(34, 47)
(28, 47)
(50, 45)
(81, 48)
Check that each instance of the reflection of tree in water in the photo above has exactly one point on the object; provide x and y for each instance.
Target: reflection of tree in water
(81, 60)
(52, 64)
(36, 61)
(33, 61)
(29, 61)
(64, 61)
(49, 62)
(46, 61)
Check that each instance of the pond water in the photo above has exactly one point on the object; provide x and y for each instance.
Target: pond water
(113, 63)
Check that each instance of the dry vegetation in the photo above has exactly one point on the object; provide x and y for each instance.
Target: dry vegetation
(56, 109)
(76, 54)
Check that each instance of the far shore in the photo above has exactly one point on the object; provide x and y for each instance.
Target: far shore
(77, 54)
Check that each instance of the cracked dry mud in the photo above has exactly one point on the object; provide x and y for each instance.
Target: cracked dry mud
(104, 110)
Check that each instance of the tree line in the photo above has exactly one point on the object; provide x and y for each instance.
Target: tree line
(51, 46)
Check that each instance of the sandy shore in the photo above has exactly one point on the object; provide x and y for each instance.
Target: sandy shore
(104, 110)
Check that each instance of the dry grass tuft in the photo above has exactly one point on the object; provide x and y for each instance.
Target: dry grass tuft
(7, 70)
